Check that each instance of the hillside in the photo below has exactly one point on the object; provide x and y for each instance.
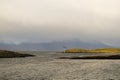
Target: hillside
(12, 54)
(52, 46)
(99, 50)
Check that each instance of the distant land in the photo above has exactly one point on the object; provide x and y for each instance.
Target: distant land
(99, 50)
(12, 54)
(53, 46)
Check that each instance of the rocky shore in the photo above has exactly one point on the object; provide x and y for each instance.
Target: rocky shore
(13, 54)
(45, 66)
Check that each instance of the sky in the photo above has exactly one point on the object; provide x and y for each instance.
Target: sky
(57, 20)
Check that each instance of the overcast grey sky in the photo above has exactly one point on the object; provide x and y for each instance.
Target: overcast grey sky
(51, 20)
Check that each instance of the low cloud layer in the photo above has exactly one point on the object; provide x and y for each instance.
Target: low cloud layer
(52, 20)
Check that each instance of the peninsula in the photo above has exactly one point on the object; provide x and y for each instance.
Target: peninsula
(99, 50)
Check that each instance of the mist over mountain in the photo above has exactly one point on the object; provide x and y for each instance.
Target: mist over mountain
(53, 46)
(53, 20)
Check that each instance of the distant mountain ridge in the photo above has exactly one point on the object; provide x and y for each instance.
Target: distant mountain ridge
(52, 46)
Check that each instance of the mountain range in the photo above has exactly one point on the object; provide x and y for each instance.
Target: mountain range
(52, 46)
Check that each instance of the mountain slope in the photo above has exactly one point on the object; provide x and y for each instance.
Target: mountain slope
(52, 46)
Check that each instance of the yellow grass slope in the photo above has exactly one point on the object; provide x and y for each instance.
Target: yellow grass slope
(100, 50)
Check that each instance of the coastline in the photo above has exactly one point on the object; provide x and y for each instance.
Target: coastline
(45, 66)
